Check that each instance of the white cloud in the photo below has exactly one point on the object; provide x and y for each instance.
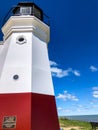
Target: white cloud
(67, 96)
(59, 73)
(76, 72)
(59, 108)
(93, 68)
(95, 95)
(95, 92)
(52, 63)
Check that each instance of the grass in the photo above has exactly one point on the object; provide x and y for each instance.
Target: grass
(73, 123)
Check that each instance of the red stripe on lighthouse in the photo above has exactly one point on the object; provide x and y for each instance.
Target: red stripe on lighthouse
(18, 105)
(44, 114)
(32, 111)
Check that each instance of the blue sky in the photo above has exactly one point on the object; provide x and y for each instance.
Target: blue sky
(73, 52)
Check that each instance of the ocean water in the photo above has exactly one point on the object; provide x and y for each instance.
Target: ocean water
(87, 118)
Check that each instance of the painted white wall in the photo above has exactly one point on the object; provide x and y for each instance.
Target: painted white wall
(41, 75)
(17, 61)
(29, 61)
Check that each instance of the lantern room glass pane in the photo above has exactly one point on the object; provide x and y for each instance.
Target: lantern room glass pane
(25, 10)
(37, 13)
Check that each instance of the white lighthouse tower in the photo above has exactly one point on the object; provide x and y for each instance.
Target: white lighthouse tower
(27, 99)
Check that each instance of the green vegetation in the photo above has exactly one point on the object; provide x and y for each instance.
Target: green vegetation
(73, 129)
(73, 123)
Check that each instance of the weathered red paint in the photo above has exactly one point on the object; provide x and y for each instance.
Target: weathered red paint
(33, 111)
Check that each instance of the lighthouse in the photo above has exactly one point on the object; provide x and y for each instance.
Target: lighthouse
(27, 100)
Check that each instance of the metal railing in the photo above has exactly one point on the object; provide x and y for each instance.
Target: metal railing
(10, 13)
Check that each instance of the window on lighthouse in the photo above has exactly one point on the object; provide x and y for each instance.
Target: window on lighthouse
(25, 10)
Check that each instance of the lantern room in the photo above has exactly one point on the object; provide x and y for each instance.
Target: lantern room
(28, 8)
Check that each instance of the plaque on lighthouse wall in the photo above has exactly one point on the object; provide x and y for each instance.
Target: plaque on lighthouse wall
(9, 122)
